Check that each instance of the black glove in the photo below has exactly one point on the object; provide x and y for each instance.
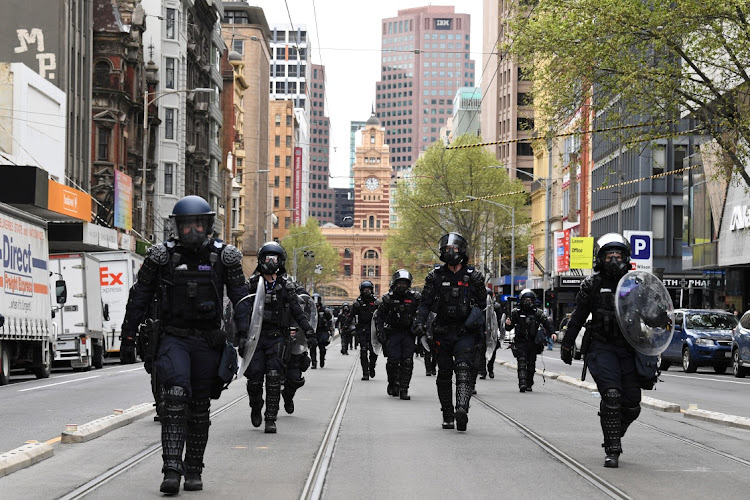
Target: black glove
(419, 329)
(242, 343)
(310, 333)
(566, 354)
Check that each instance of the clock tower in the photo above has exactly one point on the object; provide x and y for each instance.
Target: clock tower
(372, 179)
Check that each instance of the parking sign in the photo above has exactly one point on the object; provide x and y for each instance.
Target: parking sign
(641, 257)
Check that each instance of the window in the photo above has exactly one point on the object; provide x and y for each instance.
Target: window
(275, 202)
(372, 137)
(660, 159)
(277, 161)
(171, 19)
(524, 149)
(101, 74)
(289, 140)
(235, 213)
(170, 116)
(347, 270)
(168, 178)
(277, 141)
(169, 67)
(371, 254)
(524, 99)
(347, 253)
(238, 46)
(288, 120)
(103, 144)
(276, 181)
(287, 181)
(288, 161)
(658, 221)
(287, 202)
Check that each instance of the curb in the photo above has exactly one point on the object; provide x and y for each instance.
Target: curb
(22, 457)
(719, 418)
(101, 426)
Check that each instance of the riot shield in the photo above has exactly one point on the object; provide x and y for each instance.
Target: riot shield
(256, 322)
(298, 344)
(644, 312)
(308, 305)
(490, 327)
(376, 345)
(427, 338)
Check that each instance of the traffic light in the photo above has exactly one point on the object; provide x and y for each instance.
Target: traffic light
(549, 299)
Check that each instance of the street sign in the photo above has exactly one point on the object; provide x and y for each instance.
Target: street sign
(641, 257)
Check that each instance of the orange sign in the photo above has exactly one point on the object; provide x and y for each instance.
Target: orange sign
(68, 201)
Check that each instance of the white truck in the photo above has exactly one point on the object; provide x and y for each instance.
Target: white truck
(118, 272)
(80, 322)
(27, 338)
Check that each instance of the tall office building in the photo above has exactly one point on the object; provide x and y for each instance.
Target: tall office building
(321, 193)
(354, 127)
(425, 59)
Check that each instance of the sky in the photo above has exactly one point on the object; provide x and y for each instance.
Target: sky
(346, 40)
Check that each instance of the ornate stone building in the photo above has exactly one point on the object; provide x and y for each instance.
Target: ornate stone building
(361, 245)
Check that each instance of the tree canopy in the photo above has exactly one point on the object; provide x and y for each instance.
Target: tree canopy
(444, 177)
(662, 59)
(311, 249)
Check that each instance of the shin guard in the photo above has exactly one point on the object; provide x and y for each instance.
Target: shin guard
(174, 428)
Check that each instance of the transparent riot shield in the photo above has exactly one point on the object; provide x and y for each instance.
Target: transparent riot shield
(376, 345)
(491, 328)
(427, 339)
(256, 322)
(644, 312)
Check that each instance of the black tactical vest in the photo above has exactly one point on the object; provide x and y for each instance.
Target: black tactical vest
(400, 311)
(527, 324)
(194, 288)
(603, 318)
(453, 302)
(277, 314)
(365, 311)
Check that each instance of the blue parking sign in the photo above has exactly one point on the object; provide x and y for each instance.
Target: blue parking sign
(641, 246)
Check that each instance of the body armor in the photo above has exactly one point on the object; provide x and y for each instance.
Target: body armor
(452, 303)
(603, 319)
(277, 313)
(363, 311)
(399, 311)
(527, 324)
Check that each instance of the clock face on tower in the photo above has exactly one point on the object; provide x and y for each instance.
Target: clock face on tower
(372, 183)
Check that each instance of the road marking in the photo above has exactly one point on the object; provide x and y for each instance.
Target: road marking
(58, 383)
(710, 379)
(55, 440)
(131, 370)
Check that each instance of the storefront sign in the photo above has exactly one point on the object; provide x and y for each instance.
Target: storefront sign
(562, 251)
(68, 201)
(297, 201)
(581, 253)
(123, 201)
(530, 264)
(99, 235)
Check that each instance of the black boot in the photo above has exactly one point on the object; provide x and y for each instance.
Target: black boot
(611, 422)
(463, 395)
(405, 371)
(365, 364)
(290, 388)
(391, 370)
(491, 369)
(522, 372)
(445, 395)
(173, 433)
(197, 437)
(273, 397)
(255, 397)
(373, 360)
(322, 357)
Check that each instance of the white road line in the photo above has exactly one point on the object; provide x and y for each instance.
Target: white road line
(709, 379)
(58, 383)
(131, 370)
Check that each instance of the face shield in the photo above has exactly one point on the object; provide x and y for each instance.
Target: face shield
(193, 230)
(400, 287)
(269, 264)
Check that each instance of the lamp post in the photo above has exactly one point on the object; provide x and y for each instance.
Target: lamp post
(146, 104)
(512, 210)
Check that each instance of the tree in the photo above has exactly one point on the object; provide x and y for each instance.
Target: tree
(445, 177)
(662, 59)
(307, 246)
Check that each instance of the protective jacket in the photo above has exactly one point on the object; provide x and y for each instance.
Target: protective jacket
(452, 295)
(527, 323)
(397, 312)
(281, 307)
(596, 297)
(190, 286)
(362, 311)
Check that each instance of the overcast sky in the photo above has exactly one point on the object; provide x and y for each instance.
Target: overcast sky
(347, 41)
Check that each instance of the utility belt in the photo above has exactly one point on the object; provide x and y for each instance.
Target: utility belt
(616, 340)
(273, 333)
(397, 328)
(215, 337)
(442, 330)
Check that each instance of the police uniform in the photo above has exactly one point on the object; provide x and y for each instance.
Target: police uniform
(395, 319)
(342, 321)
(362, 310)
(190, 288)
(281, 306)
(454, 297)
(323, 331)
(527, 320)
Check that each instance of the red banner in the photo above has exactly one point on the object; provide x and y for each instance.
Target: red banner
(562, 247)
(530, 264)
(297, 200)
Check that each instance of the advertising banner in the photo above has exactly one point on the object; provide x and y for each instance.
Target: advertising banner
(123, 201)
(581, 253)
(68, 201)
(297, 199)
(562, 251)
(530, 264)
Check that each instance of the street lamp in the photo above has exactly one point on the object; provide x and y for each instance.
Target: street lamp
(146, 104)
(512, 210)
(296, 251)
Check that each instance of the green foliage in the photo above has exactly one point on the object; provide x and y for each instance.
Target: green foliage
(662, 58)
(442, 176)
(309, 239)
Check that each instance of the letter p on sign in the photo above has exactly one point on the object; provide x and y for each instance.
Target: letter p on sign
(640, 247)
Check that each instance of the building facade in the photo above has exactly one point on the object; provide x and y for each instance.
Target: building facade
(344, 206)
(283, 123)
(354, 127)
(425, 59)
(322, 203)
(361, 244)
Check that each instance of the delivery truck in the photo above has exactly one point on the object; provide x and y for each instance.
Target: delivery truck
(27, 337)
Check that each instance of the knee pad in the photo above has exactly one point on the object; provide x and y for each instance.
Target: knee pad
(175, 396)
(294, 384)
(200, 411)
(254, 389)
(611, 399)
(630, 413)
(408, 363)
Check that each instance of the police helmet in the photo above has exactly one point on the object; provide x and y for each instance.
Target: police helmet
(453, 249)
(192, 221)
(271, 258)
(612, 242)
(366, 284)
(401, 281)
(527, 299)
(317, 299)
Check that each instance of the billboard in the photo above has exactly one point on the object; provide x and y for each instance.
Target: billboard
(562, 250)
(123, 201)
(32, 35)
(297, 195)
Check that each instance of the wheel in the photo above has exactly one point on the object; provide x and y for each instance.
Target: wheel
(720, 369)
(45, 369)
(688, 365)
(4, 365)
(664, 365)
(738, 370)
(98, 354)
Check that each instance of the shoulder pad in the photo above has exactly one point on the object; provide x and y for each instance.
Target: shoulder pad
(158, 254)
(289, 285)
(253, 280)
(431, 275)
(417, 295)
(230, 255)
(378, 302)
(386, 298)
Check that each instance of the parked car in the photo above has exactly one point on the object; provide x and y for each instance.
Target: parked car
(741, 347)
(702, 337)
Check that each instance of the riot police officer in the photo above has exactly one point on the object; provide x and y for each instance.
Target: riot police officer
(189, 273)
(610, 359)
(342, 321)
(498, 310)
(362, 310)
(527, 319)
(394, 323)
(324, 330)
(297, 358)
(456, 293)
(280, 306)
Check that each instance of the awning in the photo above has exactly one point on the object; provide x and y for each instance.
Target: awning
(80, 237)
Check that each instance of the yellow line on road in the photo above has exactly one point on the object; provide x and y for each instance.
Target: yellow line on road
(55, 440)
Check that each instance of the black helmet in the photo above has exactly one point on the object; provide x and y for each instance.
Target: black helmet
(612, 242)
(527, 299)
(345, 307)
(366, 284)
(317, 299)
(192, 221)
(448, 253)
(401, 281)
(270, 265)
